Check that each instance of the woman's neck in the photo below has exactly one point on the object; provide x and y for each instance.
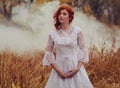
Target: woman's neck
(65, 26)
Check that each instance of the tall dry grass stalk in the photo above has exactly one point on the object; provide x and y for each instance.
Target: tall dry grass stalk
(26, 71)
(104, 68)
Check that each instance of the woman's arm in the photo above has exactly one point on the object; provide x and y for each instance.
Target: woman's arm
(75, 70)
(49, 58)
(81, 56)
(80, 63)
(59, 71)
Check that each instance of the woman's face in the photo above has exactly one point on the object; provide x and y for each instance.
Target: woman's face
(63, 16)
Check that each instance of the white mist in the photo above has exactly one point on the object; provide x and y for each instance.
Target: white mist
(28, 30)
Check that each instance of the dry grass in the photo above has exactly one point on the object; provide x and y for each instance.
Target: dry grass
(104, 68)
(26, 71)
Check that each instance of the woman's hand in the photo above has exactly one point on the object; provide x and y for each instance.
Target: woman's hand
(59, 71)
(62, 74)
(72, 72)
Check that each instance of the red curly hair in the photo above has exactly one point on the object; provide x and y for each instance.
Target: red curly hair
(56, 14)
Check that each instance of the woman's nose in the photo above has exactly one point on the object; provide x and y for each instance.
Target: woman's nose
(61, 15)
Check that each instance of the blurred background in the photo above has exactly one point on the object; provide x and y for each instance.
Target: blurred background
(25, 24)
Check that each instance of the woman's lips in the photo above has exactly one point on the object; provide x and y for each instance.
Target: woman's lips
(61, 19)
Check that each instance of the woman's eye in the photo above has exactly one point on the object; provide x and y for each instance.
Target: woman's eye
(64, 14)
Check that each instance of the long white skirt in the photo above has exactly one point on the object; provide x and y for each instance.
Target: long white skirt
(79, 80)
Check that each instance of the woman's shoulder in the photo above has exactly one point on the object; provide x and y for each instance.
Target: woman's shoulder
(52, 32)
(77, 29)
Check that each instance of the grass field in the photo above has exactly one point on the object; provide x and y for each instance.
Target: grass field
(26, 71)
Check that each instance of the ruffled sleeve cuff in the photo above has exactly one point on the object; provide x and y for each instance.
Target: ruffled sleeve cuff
(83, 56)
(48, 58)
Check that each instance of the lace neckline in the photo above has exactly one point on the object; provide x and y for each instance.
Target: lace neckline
(68, 32)
(64, 38)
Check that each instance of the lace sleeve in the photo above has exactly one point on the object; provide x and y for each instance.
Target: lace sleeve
(49, 56)
(82, 54)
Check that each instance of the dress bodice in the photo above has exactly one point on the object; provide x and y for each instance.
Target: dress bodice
(64, 38)
(65, 43)
(68, 45)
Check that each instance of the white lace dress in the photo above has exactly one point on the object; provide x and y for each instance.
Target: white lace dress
(70, 49)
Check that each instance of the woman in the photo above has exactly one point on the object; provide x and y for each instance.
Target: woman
(68, 70)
